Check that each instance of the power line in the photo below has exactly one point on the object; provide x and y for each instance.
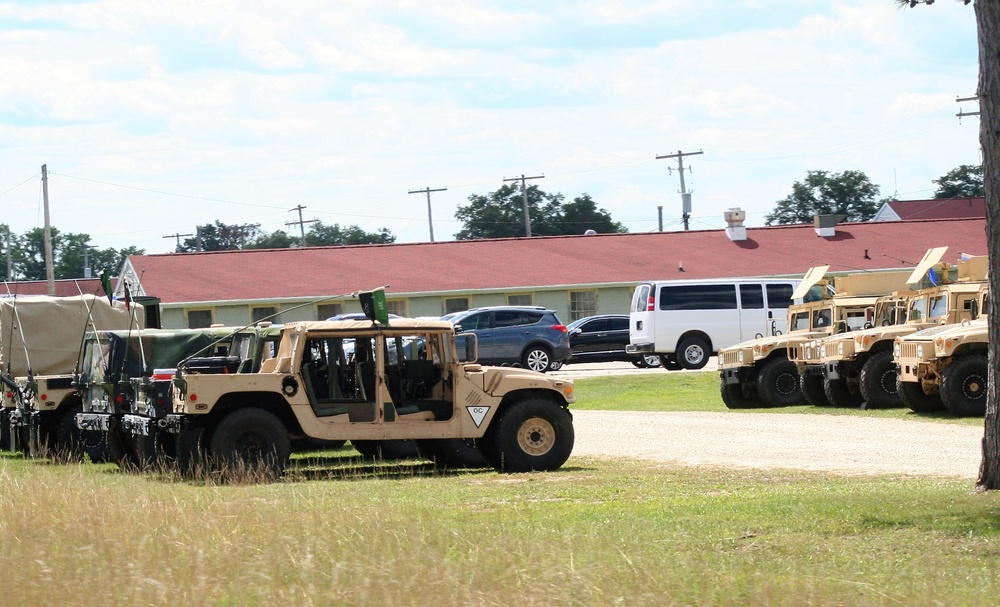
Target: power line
(301, 223)
(685, 195)
(524, 193)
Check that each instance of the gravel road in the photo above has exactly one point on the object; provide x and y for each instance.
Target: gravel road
(851, 445)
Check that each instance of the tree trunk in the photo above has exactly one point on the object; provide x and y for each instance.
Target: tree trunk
(988, 28)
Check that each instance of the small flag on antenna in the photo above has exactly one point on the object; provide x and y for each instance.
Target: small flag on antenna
(374, 306)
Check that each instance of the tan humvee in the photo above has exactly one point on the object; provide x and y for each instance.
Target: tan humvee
(946, 366)
(762, 372)
(358, 381)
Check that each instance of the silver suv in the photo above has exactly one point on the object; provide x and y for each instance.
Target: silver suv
(518, 336)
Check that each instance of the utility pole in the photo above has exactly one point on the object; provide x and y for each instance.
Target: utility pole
(685, 195)
(659, 214)
(300, 223)
(178, 237)
(86, 260)
(47, 234)
(524, 194)
(430, 220)
(10, 265)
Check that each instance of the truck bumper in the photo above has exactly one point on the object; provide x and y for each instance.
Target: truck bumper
(99, 422)
(639, 349)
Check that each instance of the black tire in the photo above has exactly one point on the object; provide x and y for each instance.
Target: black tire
(734, 397)
(73, 443)
(669, 362)
(812, 390)
(912, 395)
(778, 383)
(191, 452)
(4, 430)
(452, 452)
(963, 386)
(646, 361)
(120, 449)
(387, 450)
(536, 358)
(531, 434)
(250, 440)
(692, 353)
(841, 394)
(154, 450)
(879, 377)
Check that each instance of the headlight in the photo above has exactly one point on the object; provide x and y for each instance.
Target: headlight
(920, 351)
(840, 349)
(895, 350)
(822, 351)
(739, 357)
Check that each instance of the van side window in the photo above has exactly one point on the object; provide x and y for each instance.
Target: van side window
(752, 297)
(779, 295)
(698, 297)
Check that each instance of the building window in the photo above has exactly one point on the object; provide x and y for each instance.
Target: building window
(263, 313)
(521, 299)
(456, 304)
(199, 319)
(396, 306)
(324, 311)
(582, 303)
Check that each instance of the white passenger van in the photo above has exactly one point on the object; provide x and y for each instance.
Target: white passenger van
(686, 321)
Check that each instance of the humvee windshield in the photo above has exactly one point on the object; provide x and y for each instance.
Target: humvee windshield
(800, 322)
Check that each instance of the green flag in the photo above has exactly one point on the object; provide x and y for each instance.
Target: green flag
(373, 305)
(106, 284)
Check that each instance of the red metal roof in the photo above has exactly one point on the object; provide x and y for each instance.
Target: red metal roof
(951, 208)
(64, 288)
(547, 261)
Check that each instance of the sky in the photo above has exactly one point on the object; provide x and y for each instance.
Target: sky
(155, 117)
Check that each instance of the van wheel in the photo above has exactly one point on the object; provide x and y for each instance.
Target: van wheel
(778, 384)
(646, 361)
(693, 353)
(812, 390)
(913, 396)
(963, 386)
(878, 381)
(734, 398)
(536, 358)
(839, 393)
(532, 434)
(387, 450)
(452, 452)
(251, 440)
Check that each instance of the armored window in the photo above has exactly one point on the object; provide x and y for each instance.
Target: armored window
(752, 297)
(939, 306)
(523, 299)
(581, 304)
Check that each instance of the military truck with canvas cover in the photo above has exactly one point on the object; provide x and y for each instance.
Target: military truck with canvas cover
(362, 381)
(946, 366)
(857, 369)
(761, 372)
(40, 339)
(244, 348)
(110, 360)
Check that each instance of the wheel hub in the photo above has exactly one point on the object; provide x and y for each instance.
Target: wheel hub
(536, 436)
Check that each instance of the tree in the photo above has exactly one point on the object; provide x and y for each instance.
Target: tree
(965, 181)
(500, 214)
(68, 255)
(219, 236)
(322, 235)
(850, 193)
(988, 35)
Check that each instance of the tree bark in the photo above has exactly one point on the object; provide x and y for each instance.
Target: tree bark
(988, 30)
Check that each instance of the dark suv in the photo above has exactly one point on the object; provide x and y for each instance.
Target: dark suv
(526, 336)
(602, 338)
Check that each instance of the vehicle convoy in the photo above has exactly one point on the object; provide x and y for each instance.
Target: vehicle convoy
(762, 372)
(946, 366)
(412, 379)
(532, 337)
(855, 369)
(684, 322)
(109, 362)
(41, 339)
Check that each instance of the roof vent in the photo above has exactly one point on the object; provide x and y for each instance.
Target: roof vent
(826, 225)
(734, 224)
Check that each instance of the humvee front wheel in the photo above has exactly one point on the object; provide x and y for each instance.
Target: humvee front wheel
(878, 381)
(812, 390)
(251, 440)
(734, 398)
(532, 434)
(842, 394)
(778, 384)
(913, 396)
(963, 386)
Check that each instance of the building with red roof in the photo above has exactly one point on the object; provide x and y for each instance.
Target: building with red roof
(947, 208)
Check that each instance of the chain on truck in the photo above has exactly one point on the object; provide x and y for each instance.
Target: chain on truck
(762, 372)
(858, 369)
(365, 381)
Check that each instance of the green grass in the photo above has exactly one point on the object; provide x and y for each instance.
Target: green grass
(699, 391)
(338, 531)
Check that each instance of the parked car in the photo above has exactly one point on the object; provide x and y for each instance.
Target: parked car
(602, 338)
(525, 336)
